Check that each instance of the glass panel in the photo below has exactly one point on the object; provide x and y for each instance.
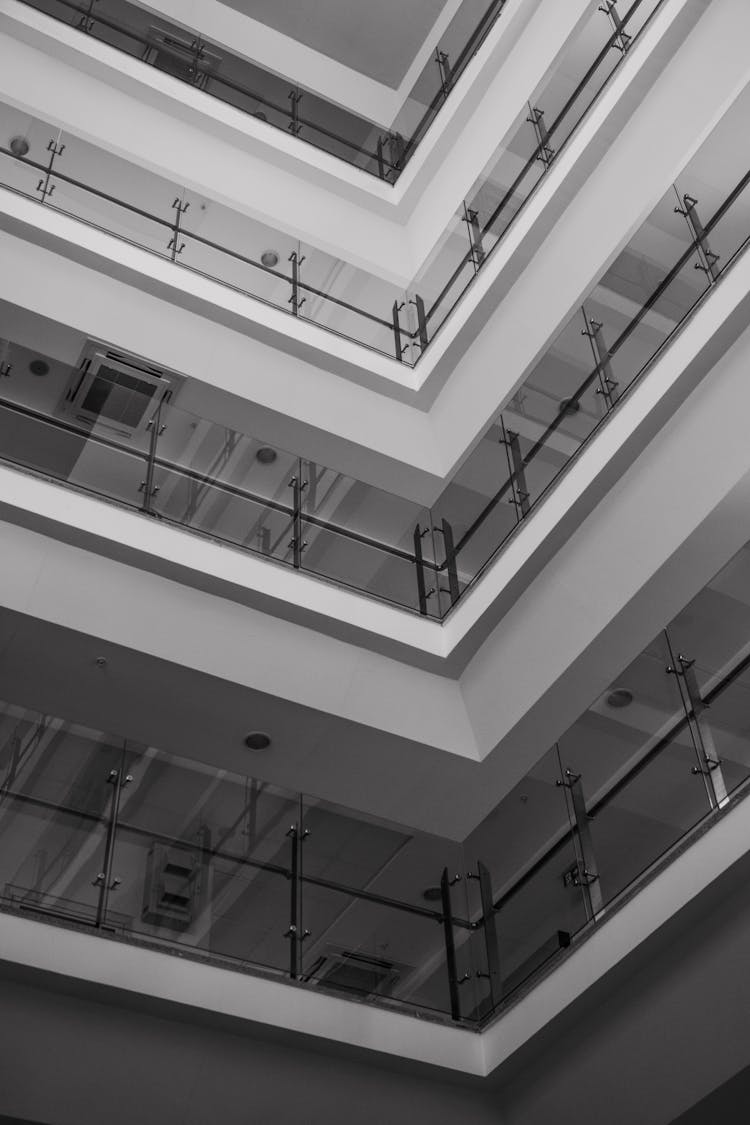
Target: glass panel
(450, 269)
(224, 483)
(478, 506)
(526, 844)
(713, 629)
(637, 822)
(204, 859)
(346, 300)
(361, 536)
(578, 76)
(635, 754)
(111, 194)
(26, 156)
(339, 132)
(512, 175)
(725, 728)
(245, 254)
(371, 901)
(89, 429)
(55, 803)
(50, 859)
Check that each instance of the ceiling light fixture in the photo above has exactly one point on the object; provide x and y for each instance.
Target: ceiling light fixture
(39, 367)
(619, 697)
(266, 455)
(269, 258)
(570, 406)
(257, 740)
(19, 146)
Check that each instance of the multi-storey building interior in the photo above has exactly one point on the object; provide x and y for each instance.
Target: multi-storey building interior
(375, 600)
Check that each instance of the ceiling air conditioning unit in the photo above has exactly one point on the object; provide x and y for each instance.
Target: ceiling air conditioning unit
(185, 58)
(355, 973)
(116, 391)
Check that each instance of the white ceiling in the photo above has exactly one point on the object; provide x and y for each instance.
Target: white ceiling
(377, 39)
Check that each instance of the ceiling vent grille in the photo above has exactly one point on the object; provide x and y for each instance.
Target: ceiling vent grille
(355, 973)
(186, 59)
(118, 392)
(172, 885)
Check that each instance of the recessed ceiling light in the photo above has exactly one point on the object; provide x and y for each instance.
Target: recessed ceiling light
(269, 258)
(19, 146)
(620, 697)
(257, 740)
(39, 367)
(266, 455)
(432, 894)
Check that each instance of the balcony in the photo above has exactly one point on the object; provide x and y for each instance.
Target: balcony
(140, 845)
(399, 322)
(179, 466)
(376, 148)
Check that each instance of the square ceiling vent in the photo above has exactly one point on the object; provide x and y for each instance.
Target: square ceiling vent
(116, 391)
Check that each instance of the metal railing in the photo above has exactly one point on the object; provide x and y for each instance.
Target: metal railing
(189, 56)
(420, 559)
(406, 337)
(135, 843)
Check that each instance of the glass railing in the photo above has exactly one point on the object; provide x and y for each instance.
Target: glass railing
(198, 235)
(107, 427)
(678, 255)
(248, 256)
(101, 832)
(381, 150)
(178, 465)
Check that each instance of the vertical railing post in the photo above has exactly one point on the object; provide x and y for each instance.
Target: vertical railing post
(295, 300)
(708, 260)
(450, 945)
(295, 934)
(622, 39)
(197, 76)
(147, 486)
(586, 875)
(397, 307)
(444, 69)
(536, 119)
(454, 589)
(45, 187)
(174, 245)
(381, 159)
(709, 763)
(118, 779)
(422, 592)
(489, 926)
(607, 383)
(296, 543)
(390, 162)
(295, 125)
(471, 218)
(86, 22)
(292, 932)
(418, 303)
(519, 496)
